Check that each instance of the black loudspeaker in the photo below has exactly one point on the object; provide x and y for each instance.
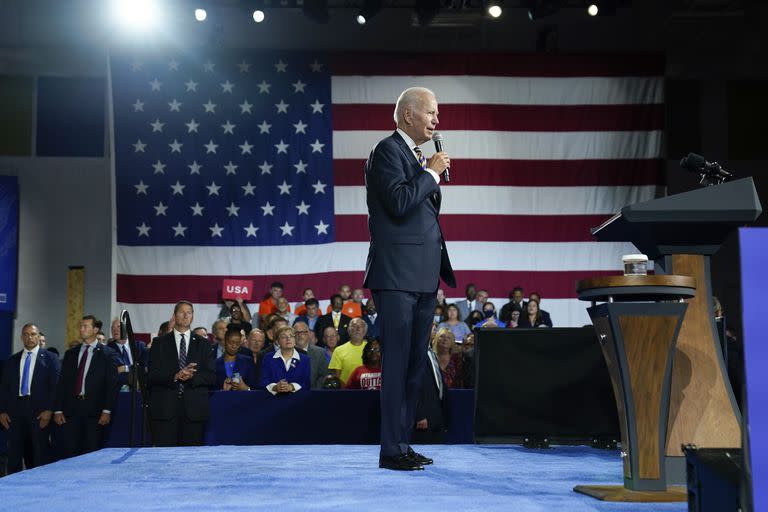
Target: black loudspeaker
(714, 478)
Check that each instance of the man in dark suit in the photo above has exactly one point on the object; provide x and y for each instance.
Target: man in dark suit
(335, 319)
(406, 259)
(27, 393)
(124, 358)
(317, 357)
(431, 408)
(86, 393)
(182, 368)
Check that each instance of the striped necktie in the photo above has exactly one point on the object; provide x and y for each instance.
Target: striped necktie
(182, 359)
(420, 157)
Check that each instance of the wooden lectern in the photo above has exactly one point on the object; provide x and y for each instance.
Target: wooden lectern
(680, 233)
(637, 326)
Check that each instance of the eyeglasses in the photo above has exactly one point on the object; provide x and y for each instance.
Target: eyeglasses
(301, 332)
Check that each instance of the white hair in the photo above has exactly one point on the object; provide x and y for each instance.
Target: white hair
(408, 100)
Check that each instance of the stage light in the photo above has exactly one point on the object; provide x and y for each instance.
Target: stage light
(136, 14)
(360, 19)
(258, 16)
(592, 10)
(370, 9)
(200, 14)
(494, 10)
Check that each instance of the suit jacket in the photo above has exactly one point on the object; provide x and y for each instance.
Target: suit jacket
(464, 311)
(164, 364)
(142, 357)
(319, 366)
(100, 382)
(407, 250)
(243, 365)
(326, 321)
(545, 318)
(273, 370)
(42, 388)
(373, 327)
(430, 406)
(305, 319)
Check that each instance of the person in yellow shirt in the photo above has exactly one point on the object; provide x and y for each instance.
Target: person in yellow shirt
(349, 356)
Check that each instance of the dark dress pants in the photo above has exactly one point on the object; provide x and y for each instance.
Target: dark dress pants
(405, 325)
(81, 433)
(178, 430)
(27, 442)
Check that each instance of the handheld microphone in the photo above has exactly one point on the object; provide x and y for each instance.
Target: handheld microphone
(711, 172)
(437, 138)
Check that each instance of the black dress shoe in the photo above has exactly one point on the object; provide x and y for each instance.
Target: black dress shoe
(418, 458)
(399, 463)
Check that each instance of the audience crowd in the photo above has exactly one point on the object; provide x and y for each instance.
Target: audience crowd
(279, 348)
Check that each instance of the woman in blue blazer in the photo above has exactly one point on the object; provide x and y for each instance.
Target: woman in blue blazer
(286, 370)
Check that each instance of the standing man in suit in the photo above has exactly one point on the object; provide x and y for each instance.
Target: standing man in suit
(27, 393)
(182, 368)
(406, 259)
(336, 319)
(124, 357)
(86, 393)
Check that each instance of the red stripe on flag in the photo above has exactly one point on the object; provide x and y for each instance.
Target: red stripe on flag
(206, 289)
(526, 118)
(531, 173)
(496, 64)
(492, 228)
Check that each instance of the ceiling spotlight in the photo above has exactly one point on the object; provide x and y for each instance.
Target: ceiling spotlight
(360, 19)
(258, 16)
(370, 9)
(136, 14)
(602, 8)
(494, 10)
(200, 14)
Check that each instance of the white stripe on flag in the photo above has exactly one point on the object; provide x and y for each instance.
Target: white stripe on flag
(496, 145)
(503, 90)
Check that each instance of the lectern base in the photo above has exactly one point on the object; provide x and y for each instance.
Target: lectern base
(620, 493)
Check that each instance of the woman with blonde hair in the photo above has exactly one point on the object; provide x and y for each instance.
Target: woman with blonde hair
(451, 362)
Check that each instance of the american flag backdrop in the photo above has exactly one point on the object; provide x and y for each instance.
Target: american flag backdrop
(249, 165)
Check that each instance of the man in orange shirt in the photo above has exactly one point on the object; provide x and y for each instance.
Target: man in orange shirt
(301, 309)
(269, 305)
(352, 308)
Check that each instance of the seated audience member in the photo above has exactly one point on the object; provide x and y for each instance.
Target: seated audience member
(355, 308)
(466, 306)
(367, 376)
(255, 341)
(451, 363)
(86, 393)
(336, 319)
(330, 342)
(459, 329)
(441, 298)
(218, 331)
(236, 320)
(301, 307)
(288, 370)
(532, 317)
(269, 305)
(202, 332)
(515, 303)
(275, 323)
(490, 320)
(348, 356)
(124, 357)
(431, 407)
(439, 315)
(350, 307)
(311, 313)
(514, 319)
(474, 318)
(482, 298)
(27, 393)
(284, 310)
(369, 316)
(468, 352)
(545, 318)
(234, 371)
(319, 363)
(332, 382)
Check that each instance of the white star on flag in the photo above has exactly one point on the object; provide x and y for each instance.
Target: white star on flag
(210, 107)
(175, 146)
(298, 86)
(322, 228)
(157, 126)
(303, 208)
(248, 189)
(143, 229)
(138, 106)
(194, 168)
(141, 188)
(159, 167)
(228, 127)
(178, 188)
(178, 230)
(208, 66)
(317, 107)
(155, 84)
(231, 168)
(282, 147)
(317, 147)
(301, 167)
(287, 229)
(245, 107)
(267, 208)
(250, 230)
(264, 127)
(301, 127)
(227, 87)
(232, 209)
(192, 126)
(160, 209)
(216, 230)
(245, 67)
(173, 65)
(191, 85)
(263, 87)
(175, 105)
(285, 188)
(245, 148)
(213, 189)
(197, 209)
(281, 66)
(266, 168)
(319, 187)
(316, 66)
(136, 66)
(139, 146)
(282, 107)
(210, 147)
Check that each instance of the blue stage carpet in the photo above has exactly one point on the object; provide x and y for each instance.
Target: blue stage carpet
(335, 477)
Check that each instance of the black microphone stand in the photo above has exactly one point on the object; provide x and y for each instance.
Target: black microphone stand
(137, 379)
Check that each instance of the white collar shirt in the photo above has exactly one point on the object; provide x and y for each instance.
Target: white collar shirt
(411, 144)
